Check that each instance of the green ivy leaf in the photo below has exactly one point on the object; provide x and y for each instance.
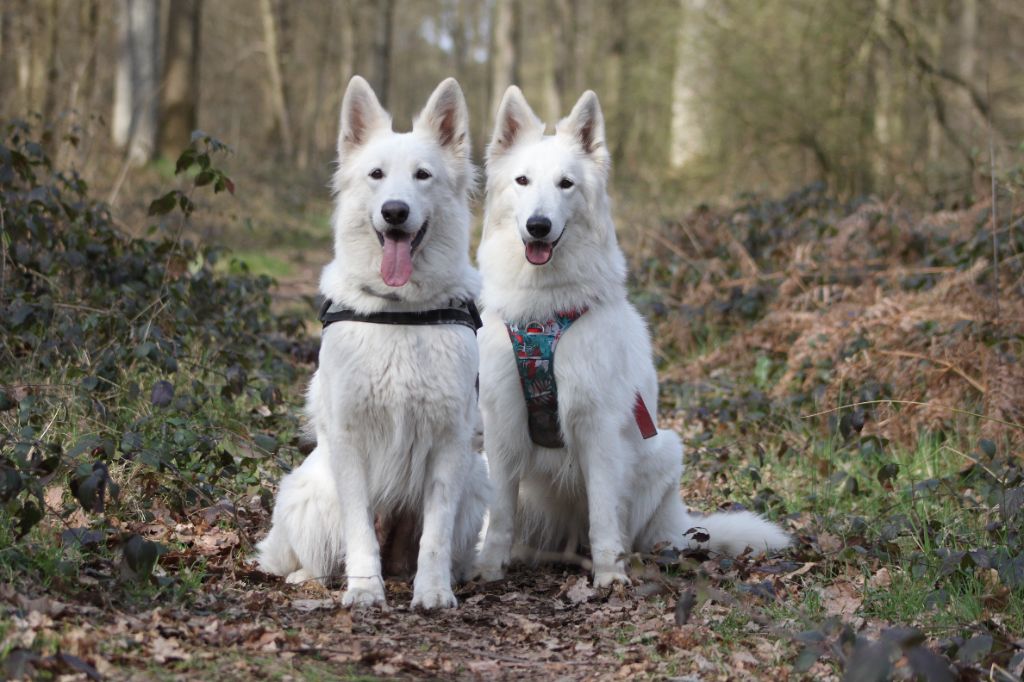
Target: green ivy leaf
(185, 161)
(141, 555)
(28, 517)
(164, 204)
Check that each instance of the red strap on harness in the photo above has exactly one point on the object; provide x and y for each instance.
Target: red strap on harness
(643, 419)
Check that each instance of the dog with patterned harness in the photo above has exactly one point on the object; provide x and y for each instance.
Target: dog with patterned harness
(567, 383)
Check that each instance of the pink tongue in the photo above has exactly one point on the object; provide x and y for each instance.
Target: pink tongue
(538, 253)
(396, 265)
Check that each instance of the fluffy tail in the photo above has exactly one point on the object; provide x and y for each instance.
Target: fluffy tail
(733, 532)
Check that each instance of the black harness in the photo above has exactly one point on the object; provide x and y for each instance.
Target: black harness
(462, 312)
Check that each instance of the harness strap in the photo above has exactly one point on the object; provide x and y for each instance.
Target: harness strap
(459, 312)
(534, 346)
(643, 418)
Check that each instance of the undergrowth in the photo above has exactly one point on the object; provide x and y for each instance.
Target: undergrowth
(138, 377)
(854, 369)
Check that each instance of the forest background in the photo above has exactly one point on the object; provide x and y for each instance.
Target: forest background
(821, 205)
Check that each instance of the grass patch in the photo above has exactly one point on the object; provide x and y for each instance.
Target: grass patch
(258, 263)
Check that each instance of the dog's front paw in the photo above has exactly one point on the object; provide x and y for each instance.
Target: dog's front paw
(607, 578)
(364, 593)
(299, 576)
(489, 572)
(442, 598)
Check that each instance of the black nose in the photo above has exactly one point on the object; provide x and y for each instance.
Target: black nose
(395, 212)
(538, 226)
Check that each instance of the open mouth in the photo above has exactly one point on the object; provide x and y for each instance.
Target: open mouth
(539, 252)
(399, 247)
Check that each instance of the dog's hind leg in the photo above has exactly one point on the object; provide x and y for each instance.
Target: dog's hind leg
(469, 519)
(496, 553)
(659, 480)
(274, 553)
(306, 531)
(308, 517)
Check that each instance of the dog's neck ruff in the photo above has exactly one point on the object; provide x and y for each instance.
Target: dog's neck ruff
(460, 312)
(533, 344)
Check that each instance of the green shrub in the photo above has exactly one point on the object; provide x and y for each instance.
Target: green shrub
(127, 360)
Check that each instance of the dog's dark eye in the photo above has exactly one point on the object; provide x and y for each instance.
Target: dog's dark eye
(523, 180)
(566, 183)
(376, 174)
(422, 174)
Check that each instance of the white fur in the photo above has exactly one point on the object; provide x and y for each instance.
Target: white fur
(393, 407)
(608, 489)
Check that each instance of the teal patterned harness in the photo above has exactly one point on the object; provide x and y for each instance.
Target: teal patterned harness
(534, 346)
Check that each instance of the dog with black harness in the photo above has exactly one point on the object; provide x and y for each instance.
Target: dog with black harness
(394, 483)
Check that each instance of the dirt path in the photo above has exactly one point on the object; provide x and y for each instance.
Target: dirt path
(218, 618)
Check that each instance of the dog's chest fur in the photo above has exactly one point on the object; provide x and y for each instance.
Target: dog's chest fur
(397, 391)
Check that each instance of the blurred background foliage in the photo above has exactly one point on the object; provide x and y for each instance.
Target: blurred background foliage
(704, 99)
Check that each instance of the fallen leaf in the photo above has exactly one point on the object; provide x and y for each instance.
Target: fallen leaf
(880, 579)
(580, 591)
(312, 604)
(165, 649)
(841, 599)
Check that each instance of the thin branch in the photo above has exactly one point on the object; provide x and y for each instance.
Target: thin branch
(3, 253)
(948, 365)
(937, 70)
(917, 403)
(995, 233)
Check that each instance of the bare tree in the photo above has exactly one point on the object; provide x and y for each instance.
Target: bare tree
(385, 10)
(563, 37)
(49, 64)
(504, 52)
(179, 100)
(134, 124)
(282, 123)
(686, 137)
(314, 104)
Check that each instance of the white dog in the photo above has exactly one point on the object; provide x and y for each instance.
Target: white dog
(586, 468)
(393, 403)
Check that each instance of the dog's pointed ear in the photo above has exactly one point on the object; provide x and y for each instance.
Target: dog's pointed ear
(585, 125)
(446, 118)
(361, 116)
(515, 117)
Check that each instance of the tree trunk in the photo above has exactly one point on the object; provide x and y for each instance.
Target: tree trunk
(179, 99)
(6, 60)
(562, 47)
(882, 114)
(91, 21)
(314, 103)
(281, 122)
(24, 31)
(504, 55)
(349, 20)
(385, 10)
(967, 59)
(619, 82)
(51, 71)
(686, 132)
(134, 124)
(460, 42)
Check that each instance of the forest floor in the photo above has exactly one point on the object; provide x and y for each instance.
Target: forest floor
(768, 318)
